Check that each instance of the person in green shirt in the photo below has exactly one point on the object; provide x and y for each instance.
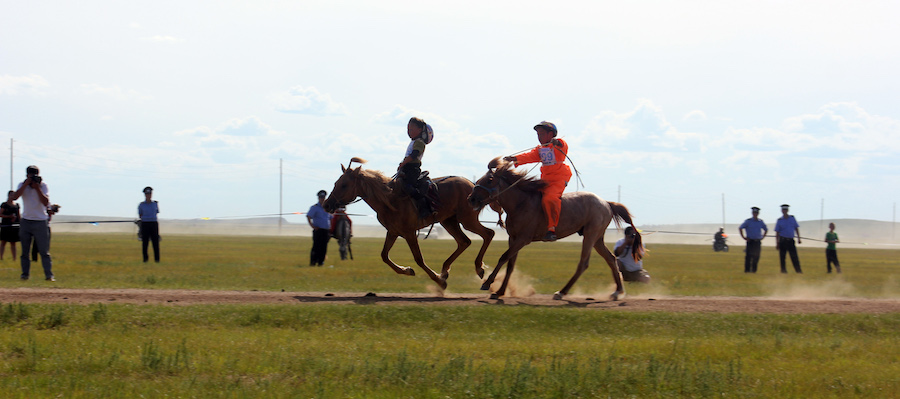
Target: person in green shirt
(831, 251)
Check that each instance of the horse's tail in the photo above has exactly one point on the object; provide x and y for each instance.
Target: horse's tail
(620, 214)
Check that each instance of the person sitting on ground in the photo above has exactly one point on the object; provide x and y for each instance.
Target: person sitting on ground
(632, 270)
(420, 135)
(552, 156)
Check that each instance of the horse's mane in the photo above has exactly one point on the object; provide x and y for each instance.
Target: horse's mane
(506, 170)
(375, 184)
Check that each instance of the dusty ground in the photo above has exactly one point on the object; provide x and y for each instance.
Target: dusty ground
(644, 304)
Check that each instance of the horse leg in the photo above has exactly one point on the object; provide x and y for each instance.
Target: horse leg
(486, 285)
(487, 235)
(413, 242)
(614, 268)
(389, 240)
(582, 266)
(509, 271)
(514, 247)
(451, 225)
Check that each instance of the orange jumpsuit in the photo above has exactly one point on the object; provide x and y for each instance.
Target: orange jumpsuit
(555, 172)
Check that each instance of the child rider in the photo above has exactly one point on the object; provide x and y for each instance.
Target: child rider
(552, 155)
(420, 134)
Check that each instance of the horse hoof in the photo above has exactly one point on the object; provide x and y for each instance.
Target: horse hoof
(616, 296)
(485, 286)
(480, 272)
(557, 296)
(445, 276)
(410, 271)
(495, 296)
(443, 284)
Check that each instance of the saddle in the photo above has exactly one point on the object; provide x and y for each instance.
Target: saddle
(424, 194)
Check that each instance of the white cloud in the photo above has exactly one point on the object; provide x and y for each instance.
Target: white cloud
(309, 101)
(400, 115)
(694, 116)
(645, 127)
(114, 92)
(236, 127)
(163, 39)
(31, 84)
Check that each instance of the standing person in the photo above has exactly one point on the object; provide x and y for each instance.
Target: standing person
(756, 230)
(831, 250)
(420, 135)
(320, 221)
(9, 226)
(631, 269)
(35, 225)
(785, 229)
(552, 156)
(147, 211)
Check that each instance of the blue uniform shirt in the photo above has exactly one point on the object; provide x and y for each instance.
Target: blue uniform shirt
(320, 218)
(754, 228)
(148, 210)
(785, 227)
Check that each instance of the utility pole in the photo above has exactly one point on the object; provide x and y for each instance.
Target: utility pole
(822, 217)
(280, 192)
(723, 210)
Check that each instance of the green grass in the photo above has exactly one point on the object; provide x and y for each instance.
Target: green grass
(326, 351)
(276, 263)
(497, 351)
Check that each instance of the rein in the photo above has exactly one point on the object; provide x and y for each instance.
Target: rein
(490, 191)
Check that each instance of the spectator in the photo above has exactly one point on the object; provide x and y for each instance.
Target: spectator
(831, 250)
(631, 269)
(147, 211)
(35, 225)
(320, 221)
(9, 226)
(753, 230)
(785, 229)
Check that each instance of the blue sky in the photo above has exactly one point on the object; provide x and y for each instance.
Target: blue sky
(666, 105)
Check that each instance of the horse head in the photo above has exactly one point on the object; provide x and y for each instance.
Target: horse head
(487, 188)
(346, 188)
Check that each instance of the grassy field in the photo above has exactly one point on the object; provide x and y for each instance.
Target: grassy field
(276, 263)
(285, 351)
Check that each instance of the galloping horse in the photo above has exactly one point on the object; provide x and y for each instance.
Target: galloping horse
(583, 213)
(399, 216)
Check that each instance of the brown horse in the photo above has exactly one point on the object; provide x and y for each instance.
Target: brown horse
(397, 213)
(582, 212)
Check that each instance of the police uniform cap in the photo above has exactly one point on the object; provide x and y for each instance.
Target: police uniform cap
(785, 206)
(321, 194)
(755, 209)
(148, 189)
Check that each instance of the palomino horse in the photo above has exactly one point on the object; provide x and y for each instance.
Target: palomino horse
(583, 213)
(399, 216)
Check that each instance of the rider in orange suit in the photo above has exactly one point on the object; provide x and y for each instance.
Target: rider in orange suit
(552, 156)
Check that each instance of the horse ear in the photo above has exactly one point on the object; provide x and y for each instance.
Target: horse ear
(343, 169)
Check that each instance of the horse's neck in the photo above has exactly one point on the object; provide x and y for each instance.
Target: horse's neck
(513, 198)
(378, 201)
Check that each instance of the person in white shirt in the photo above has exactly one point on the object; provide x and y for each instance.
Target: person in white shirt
(632, 270)
(35, 223)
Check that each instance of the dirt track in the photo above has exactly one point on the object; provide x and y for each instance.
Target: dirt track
(645, 304)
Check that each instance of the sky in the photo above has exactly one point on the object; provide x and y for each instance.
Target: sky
(676, 109)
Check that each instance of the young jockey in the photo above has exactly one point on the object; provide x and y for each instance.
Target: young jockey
(552, 155)
(420, 134)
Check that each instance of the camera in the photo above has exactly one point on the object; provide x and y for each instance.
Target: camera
(37, 179)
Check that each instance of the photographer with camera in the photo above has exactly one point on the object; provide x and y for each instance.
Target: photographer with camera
(35, 223)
